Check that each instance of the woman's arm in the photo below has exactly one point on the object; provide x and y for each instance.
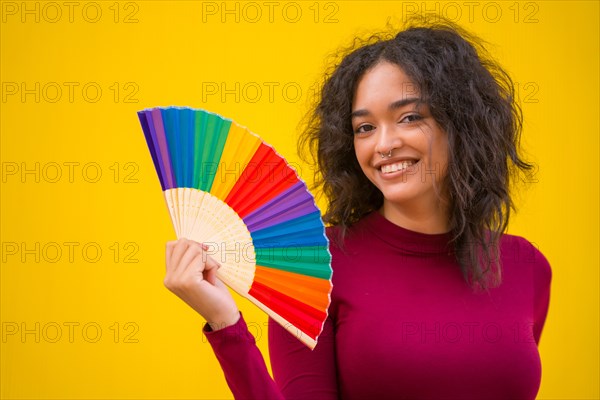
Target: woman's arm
(301, 373)
(242, 363)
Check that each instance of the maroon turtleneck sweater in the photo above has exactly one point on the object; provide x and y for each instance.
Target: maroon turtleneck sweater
(404, 324)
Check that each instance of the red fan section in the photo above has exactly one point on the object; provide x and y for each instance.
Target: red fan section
(265, 177)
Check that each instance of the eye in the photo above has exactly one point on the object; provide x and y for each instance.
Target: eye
(411, 118)
(364, 129)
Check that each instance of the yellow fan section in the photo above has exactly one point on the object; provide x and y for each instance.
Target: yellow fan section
(239, 148)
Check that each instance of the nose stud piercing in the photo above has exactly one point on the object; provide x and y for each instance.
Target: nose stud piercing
(388, 155)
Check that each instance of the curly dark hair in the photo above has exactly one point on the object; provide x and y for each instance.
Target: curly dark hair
(472, 99)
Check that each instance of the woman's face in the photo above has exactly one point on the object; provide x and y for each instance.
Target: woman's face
(385, 116)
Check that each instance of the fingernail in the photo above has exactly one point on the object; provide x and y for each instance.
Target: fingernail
(204, 247)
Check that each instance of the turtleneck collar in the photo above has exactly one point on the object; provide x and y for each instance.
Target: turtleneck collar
(405, 239)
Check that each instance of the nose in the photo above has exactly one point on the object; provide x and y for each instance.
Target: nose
(389, 138)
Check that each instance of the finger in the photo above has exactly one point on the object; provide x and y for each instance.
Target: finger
(198, 243)
(204, 246)
(210, 270)
(188, 260)
(193, 270)
(179, 250)
(169, 250)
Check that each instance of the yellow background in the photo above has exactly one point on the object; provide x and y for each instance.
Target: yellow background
(163, 53)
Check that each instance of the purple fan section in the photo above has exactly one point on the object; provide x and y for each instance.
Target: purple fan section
(150, 141)
(152, 124)
(291, 203)
(159, 135)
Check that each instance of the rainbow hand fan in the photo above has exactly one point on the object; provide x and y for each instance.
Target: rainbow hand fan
(228, 189)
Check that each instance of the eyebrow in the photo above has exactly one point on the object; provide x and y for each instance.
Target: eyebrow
(393, 106)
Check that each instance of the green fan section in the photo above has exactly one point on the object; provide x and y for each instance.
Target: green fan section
(210, 132)
(309, 260)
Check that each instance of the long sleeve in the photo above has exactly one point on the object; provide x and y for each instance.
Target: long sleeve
(300, 372)
(242, 362)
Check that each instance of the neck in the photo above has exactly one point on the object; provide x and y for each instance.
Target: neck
(423, 218)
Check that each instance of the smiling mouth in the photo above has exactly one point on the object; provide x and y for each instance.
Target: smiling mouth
(399, 166)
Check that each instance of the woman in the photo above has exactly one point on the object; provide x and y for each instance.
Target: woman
(417, 144)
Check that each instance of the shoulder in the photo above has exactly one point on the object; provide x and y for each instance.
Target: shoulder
(348, 256)
(338, 240)
(333, 234)
(520, 251)
(357, 233)
(346, 242)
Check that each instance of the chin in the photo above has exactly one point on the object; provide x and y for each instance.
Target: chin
(400, 197)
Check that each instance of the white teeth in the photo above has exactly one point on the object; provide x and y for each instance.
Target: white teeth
(386, 169)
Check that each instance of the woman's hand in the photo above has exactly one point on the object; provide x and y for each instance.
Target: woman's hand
(192, 276)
